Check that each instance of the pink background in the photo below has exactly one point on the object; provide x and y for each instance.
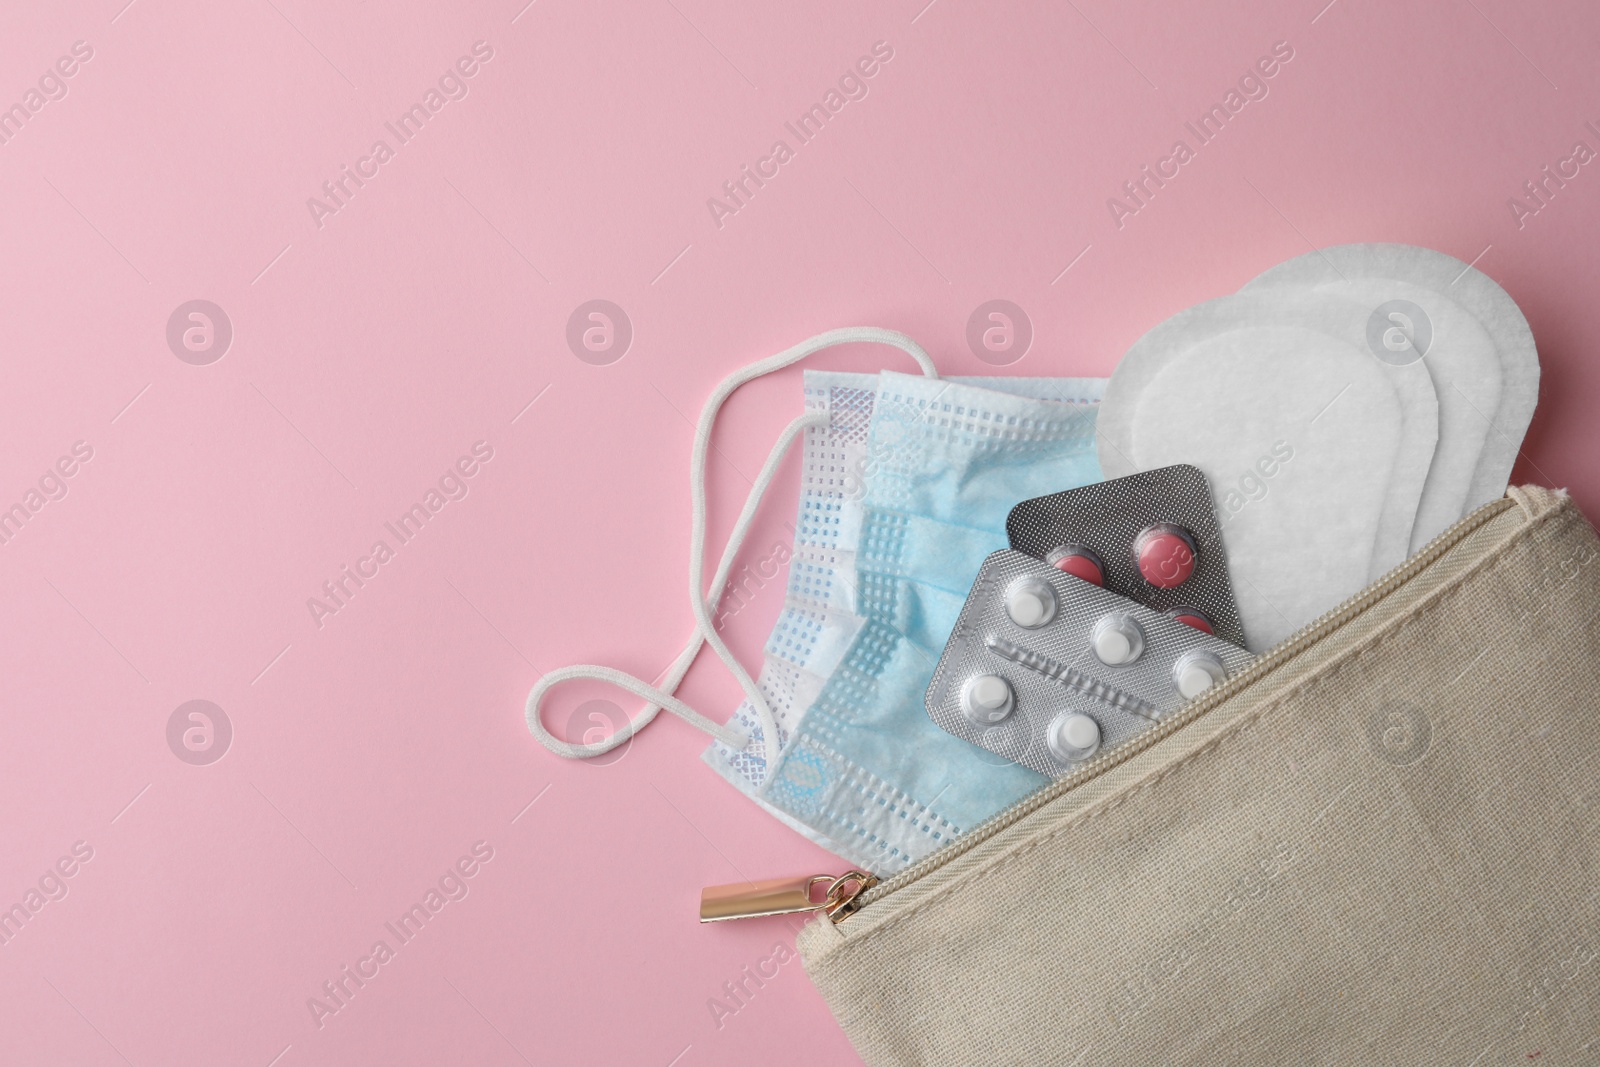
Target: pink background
(368, 354)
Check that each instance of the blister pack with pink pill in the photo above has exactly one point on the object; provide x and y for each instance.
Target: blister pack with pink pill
(1152, 537)
(1046, 670)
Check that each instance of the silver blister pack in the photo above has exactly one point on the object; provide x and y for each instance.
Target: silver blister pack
(1046, 670)
(1151, 536)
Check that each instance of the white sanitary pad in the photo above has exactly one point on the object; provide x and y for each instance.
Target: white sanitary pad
(1474, 341)
(1249, 384)
(1347, 406)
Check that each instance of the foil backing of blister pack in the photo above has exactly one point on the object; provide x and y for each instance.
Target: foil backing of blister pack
(1108, 518)
(1062, 673)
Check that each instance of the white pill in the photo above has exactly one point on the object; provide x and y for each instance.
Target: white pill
(1031, 603)
(990, 692)
(1194, 680)
(986, 699)
(1197, 671)
(1117, 640)
(1112, 647)
(1080, 731)
(1074, 737)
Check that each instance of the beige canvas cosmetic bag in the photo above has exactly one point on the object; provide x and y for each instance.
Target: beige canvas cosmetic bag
(1376, 845)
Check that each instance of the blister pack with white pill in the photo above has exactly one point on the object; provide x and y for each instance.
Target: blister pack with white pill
(1151, 537)
(1046, 669)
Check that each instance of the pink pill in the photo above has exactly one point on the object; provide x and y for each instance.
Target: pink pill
(1078, 561)
(1191, 617)
(1165, 554)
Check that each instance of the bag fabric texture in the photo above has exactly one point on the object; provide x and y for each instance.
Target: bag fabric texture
(1380, 847)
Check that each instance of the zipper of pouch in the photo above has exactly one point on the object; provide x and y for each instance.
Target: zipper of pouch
(826, 893)
(865, 894)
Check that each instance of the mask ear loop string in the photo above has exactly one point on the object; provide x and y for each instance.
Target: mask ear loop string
(662, 694)
(702, 602)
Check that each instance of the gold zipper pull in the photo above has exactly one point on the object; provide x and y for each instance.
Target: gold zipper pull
(782, 896)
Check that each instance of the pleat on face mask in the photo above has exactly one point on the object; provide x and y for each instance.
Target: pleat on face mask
(1389, 269)
(865, 770)
(1301, 436)
(923, 612)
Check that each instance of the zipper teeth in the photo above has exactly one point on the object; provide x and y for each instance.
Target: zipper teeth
(1100, 764)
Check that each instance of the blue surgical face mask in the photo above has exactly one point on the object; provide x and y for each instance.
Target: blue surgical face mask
(865, 767)
(868, 775)
(827, 600)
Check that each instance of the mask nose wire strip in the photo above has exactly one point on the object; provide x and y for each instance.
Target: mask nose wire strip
(701, 606)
